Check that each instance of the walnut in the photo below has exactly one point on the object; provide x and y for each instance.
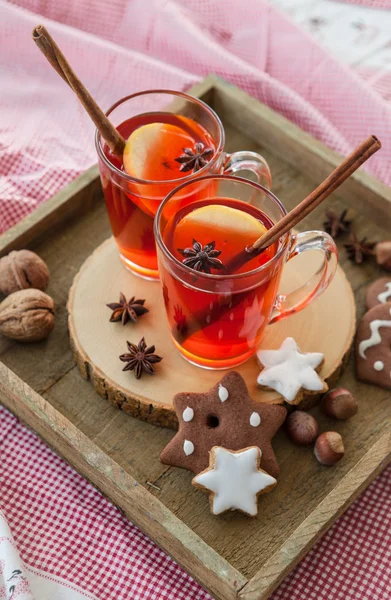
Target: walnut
(22, 269)
(27, 315)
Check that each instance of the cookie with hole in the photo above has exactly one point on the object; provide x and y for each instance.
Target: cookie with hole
(225, 416)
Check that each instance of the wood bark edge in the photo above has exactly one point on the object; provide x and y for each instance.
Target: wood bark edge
(133, 404)
(164, 415)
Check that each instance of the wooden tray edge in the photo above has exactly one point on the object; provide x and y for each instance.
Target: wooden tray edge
(75, 198)
(267, 579)
(140, 507)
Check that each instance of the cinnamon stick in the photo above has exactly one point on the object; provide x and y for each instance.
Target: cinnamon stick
(52, 52)
(331, 183)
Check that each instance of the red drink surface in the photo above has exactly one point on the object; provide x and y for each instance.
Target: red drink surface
(131, 205)
(221, 324)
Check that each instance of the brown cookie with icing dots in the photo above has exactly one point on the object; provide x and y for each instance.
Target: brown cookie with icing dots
(373, 346)
(225, 416)
(379, 292)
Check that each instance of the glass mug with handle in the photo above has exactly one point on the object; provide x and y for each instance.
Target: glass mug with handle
(172, 138)
(218, 296)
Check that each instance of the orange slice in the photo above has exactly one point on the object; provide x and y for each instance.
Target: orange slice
(230, 228)
(151, 150)
(219, 217)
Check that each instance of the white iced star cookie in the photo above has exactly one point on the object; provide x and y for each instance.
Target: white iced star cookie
(234, 480)
(288, 371)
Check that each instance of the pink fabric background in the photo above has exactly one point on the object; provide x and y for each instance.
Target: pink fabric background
(120, 47)
(61, 523)
(370, 3)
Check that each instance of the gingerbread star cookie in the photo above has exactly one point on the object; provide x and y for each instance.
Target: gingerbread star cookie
(373, 346)
(379, 292)
(288, 371)
(225, 416)
(234, 480)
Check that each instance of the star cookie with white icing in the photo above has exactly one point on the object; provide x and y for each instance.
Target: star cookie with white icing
(225, 416)
(234, 480)
(373, 346)
(289, 371)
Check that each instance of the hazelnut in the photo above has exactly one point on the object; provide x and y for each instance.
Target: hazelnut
(339, 404)
(22, 269)
(302, 428)
(383, 254)
(329, 448)
(27, 315)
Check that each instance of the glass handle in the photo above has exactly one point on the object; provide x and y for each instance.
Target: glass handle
(248, 161)
(295, 301)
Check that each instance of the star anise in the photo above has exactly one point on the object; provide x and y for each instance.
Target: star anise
(202, 258)
(358, 250)
(336, 224)
(140, 359)
(196, 159)
(125, 311)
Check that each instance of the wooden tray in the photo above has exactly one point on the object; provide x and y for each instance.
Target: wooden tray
(232, 556)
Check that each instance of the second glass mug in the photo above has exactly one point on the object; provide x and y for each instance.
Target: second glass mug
(217, 320)
(132, 202)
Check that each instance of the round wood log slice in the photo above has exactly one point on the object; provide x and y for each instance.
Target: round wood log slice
(327, 325)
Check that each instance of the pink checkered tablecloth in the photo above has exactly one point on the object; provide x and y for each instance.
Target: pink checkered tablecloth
(61, 524)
